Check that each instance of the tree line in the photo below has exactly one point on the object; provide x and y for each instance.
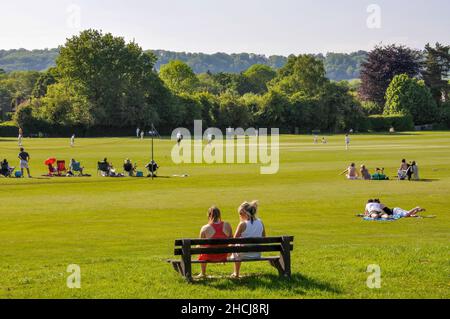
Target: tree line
(338, 66)
(101, 81)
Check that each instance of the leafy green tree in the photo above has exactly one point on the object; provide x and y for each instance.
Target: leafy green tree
(304, 73)
(437, 70)
(232, 113)
(257, 77)
(273, 111)
(382, 65)
(45, 79)
(179, 77)
(63, 106)
(113, 76)
(5, 101)
(407, 95)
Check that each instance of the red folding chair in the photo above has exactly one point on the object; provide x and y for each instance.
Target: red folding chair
(61, 167)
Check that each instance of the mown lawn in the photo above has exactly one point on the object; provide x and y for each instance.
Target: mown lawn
(121, 231)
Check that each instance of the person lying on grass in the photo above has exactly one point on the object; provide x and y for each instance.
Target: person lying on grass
(215, 228)
(249, 227)
(351, 172)
(375, 209)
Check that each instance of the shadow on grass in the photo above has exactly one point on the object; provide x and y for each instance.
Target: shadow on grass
(427, 180)
(298, 284)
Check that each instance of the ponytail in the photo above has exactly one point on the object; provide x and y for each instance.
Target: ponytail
(250, 209)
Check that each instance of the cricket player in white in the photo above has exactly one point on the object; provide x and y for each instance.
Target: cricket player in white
(347, 141)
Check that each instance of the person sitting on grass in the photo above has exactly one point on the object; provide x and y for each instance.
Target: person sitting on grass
(351, 172)
(75, 166)
(379, 175)
(216, 228)
(415, 171)
(109, 168)
(128, 167)
(5, 169)
(249, 227)
(365, 173)
(152, 168)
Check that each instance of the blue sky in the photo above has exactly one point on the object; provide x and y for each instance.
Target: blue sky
(258, 26)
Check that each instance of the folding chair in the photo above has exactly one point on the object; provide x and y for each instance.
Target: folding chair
(61, 167)
(102, 168)
(76, 167)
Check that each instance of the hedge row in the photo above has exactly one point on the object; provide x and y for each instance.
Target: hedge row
(8, 129)
(383, 123)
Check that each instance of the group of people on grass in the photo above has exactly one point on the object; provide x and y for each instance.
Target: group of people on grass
(250, 226)
(406, 171)
(129, 169)
(58, 168)
(376, 210)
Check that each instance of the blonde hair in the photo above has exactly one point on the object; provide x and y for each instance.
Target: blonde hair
(214, 214)
(250, 209)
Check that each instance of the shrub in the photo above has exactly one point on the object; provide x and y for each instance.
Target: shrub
(399, 122)
(8, 129)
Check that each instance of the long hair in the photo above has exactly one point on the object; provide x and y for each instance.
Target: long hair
(250, 209)
(214, 214)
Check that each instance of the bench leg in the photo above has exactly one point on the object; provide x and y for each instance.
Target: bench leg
(177, 267)
(276, 264)
(186, 260)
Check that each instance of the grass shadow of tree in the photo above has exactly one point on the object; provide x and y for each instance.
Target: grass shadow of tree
(298, 284)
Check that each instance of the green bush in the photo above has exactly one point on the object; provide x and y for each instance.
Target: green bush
(399, 122)
(8, 129)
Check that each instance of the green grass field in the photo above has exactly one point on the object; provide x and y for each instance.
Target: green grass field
(120, 231)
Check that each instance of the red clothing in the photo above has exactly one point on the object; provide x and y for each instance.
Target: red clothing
(218, 228)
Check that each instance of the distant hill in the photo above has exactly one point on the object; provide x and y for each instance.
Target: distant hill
(339, 66)
(25, 60)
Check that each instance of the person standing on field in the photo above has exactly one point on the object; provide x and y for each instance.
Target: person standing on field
(20, 137)
(24, 158)
(72, 140)
(138, 132)
(347, 141)
(142, 134)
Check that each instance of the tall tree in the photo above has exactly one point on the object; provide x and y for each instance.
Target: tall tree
(382, 65)
(179, 77)
(407, 95)
(304, 73)
(437, 70)
(257, 77)
(113, 75)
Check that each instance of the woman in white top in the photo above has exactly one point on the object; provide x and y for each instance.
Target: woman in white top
(249, 227)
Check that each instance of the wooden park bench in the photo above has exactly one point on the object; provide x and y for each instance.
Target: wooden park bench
(186, 248)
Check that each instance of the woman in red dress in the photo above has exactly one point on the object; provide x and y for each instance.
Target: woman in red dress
(215, 228)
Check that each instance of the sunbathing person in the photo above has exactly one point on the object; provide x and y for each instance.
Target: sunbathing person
(215, 228)
(365, 173)
(373, 209)
(399, 212)
(351, 172)
(249, 227)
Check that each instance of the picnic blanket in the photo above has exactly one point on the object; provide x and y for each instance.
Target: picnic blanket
(392, 218)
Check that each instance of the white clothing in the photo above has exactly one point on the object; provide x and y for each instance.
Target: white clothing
(373, 208)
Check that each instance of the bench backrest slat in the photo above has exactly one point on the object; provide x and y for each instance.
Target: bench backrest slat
(234, 241)
(232, 249)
